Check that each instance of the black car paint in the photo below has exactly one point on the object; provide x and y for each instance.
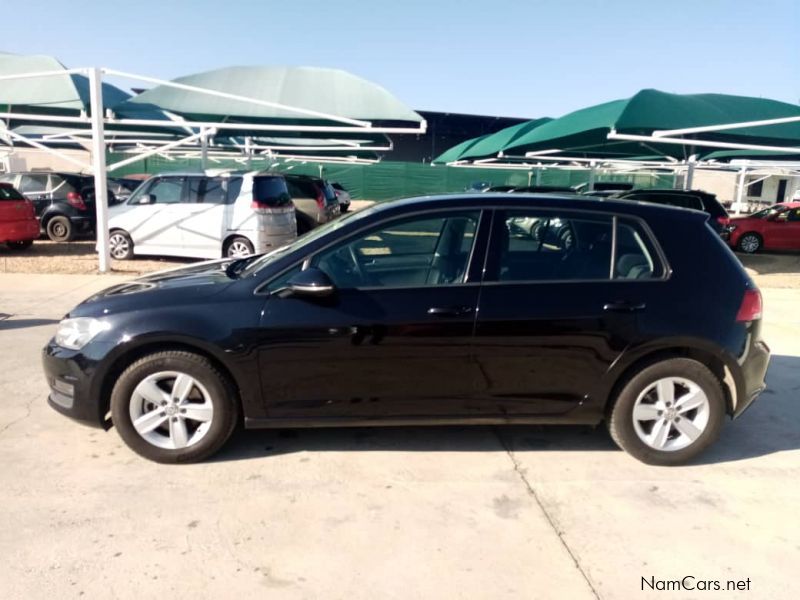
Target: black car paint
(546, 352)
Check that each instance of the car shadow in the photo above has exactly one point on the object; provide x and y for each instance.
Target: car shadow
(11, 323)
(772, 263)
(768, 426)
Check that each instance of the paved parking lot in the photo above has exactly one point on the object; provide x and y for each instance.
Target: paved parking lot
(456, 512)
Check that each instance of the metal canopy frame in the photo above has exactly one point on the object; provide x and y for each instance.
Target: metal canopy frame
(198, 132)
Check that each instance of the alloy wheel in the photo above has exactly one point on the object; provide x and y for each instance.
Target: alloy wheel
(671, 414)
(118, 246)
(750, 243)
(171, 410)
(238, 249)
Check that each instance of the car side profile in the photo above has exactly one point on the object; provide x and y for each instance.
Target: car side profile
(18, 225)
(64, 202)
(774, 228)
(437, 310)
(202, 216)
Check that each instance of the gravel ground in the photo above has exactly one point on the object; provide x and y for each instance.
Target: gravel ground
(77, 257)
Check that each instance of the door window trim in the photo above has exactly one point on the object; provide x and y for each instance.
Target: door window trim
(645, 229)
(305, 261)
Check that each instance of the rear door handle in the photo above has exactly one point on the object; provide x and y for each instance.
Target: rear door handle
(449, 311)
(623, 306)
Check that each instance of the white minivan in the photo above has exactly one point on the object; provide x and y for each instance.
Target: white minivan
(204, 216)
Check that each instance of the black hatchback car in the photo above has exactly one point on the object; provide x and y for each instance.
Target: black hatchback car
(430, 311)
(693, 199)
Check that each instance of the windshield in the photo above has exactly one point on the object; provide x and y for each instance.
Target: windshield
(311, 236)
(768, 212)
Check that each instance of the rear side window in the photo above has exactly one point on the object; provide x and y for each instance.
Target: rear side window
(193, 190)
(33, 184)
(214, 191)
(9, 193)
(636, 256)
(302, 188)
(530, 245)
(271, 191)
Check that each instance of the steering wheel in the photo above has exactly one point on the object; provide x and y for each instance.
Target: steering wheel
(356, 263)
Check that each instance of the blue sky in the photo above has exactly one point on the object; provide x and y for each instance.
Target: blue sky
(525, 58)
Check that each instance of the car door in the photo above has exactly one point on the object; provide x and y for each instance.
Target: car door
(34, 187)
(553, 315)
(153, 219)
(395, 338)
(784, 230)
(203, 224)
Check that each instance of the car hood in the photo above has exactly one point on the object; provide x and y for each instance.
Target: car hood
(191, 284)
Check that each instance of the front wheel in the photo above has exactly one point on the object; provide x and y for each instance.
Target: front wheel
(750, 243)
(174, 407)
(668, 412)
(120, 245)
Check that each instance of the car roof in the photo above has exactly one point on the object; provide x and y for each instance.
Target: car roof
(573, 202)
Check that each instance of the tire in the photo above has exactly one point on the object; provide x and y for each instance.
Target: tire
(238, 247)
(21, 245)
(218, 402)
(749, 243)
(59, 229)
(120, 245)
(303, 226)
(685, 377)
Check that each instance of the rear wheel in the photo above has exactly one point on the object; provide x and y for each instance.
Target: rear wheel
(668, 412)
(59, 229)
(21, 245)
(750, 243)
(174, 407)
(238, 247)
(120, 245)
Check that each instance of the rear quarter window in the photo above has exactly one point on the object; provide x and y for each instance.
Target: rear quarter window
(271, 191)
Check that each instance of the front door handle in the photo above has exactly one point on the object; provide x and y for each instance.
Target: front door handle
(624, 306)
(449, 311)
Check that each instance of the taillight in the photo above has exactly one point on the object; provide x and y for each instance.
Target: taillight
(74, 199)
(321, 199)
(750, 309)
(724, 221)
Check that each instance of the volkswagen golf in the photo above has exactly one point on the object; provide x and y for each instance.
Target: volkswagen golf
(436, 310)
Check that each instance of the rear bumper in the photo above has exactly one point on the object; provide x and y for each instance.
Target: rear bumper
(19, 231)
(753, 372)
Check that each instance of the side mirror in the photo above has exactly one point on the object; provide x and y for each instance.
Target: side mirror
(311, 283)
(147, 199)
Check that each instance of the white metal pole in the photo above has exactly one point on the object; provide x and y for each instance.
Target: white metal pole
(688, 181)
(99, 166)
(248, 141)
(203, 149)
(539, 170)
(592, 175)
(740, 191)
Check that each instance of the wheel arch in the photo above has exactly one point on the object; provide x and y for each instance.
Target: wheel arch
(621, 373)
(131, 354)
(232, 236)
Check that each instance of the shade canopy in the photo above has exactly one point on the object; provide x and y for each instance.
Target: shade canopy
(52, 94)
(490, 144)
(586, 131)
(318, 90)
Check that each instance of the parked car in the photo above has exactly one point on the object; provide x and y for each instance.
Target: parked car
(64, 202)
(18, 224)
(314, 199)
(430, 311)
(122, 188)
(693, 199)
(501, 188)
(343, 196)
(234, 214)
(774, 228)
(604, 188)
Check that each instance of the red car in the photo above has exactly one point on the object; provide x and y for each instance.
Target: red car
(18, 224)
(774, 228)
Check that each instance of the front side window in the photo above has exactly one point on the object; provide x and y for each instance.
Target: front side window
(531, 245)
(794, 215)
(416, 252)
(167, 191)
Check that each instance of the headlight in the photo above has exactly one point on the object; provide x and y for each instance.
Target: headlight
(76, 333)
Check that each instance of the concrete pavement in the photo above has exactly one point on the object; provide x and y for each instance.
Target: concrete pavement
(518, 512)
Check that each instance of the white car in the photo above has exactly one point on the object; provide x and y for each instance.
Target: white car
(204, 216)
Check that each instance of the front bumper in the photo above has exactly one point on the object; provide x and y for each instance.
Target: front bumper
(71, 377)
(753, 374)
